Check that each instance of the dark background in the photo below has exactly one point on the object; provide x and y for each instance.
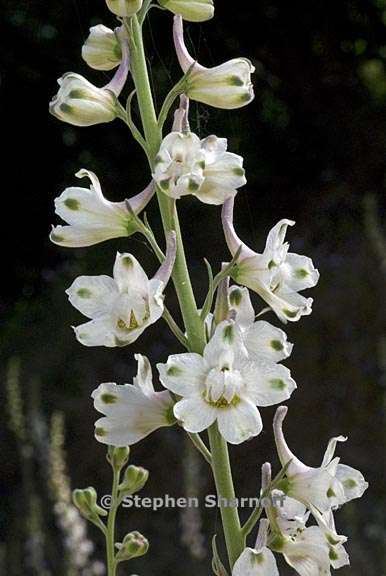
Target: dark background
(314, 146)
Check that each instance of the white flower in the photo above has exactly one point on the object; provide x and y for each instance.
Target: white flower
(191, 10)
(187, 165)
(91, 217)
(124, 8)
(261, 339)
(102, 49)
(312, 550)
(331, 485)
(276, 275)
(257, 561)
(226, 86)
(120, 308)
(132, 411)
(80, 103)
(224, 384)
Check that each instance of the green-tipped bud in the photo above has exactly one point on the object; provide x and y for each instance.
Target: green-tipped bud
(124, 8)
(86, 502)
(80, 103)
(118, 456)
(191, 10)
(102, 49)
(133, 546)
(134, 479)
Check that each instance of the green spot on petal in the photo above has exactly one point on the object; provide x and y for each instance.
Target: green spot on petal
(238, 171)
(235, 81)
(100, 432)
(108, 398)
(228, 334)
(72, 203)
(56, 238)
(169, 415)
(330, 493)
(235, 297)
(66, 108)
(127, 261)
(290, 313)
(174, 371)
(332, 554)
(277, 345)
(331, 540)
(193, 186)
(277, 384)
(271, 264)
(84, 293)
(301, 273)
(77, 94)
(350, 483)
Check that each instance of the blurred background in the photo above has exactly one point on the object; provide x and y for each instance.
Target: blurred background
(314, 143)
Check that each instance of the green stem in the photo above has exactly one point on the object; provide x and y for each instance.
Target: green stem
(194, 325)
(153, 135)
(224, 485)
(110, 534)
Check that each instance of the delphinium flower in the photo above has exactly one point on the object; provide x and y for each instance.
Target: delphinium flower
(326, 487)
(276, 275)
(122, 307)
(132, 411)
(226, 86)
(204, 168)
(91, 218)
(225, 385)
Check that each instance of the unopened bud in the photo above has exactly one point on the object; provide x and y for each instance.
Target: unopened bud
(102, 49)
(118, 456)
(191, 10)
(124, 8)
(134, 479)
(86, 502)
(80, 103)
(133, 546)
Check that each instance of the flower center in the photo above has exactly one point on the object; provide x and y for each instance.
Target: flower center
(222, 387)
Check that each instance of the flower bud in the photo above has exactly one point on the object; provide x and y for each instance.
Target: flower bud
(191, 10)
(86, 502)
(80, 103)
(134, 479)
(102, 49)
(124, 8)
(118, 456)
(226, 86)
(133, 546)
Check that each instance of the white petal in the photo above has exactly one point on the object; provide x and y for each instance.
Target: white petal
(79, 237)
(239, 422)
(298, 272)
(144, 378)
(263, 340)
(93, 295)
(214, 193)
(255, 563)
(275, 246)
(331, 447)
(226, 347)
(353, 482)
(97, 332)
(194, 414)
(226, 170)
(184, 374)
(129, 274)
(240, 302)
(312, 487)
(267, 383)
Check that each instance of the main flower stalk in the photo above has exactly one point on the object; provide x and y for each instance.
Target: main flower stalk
(194, 325)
